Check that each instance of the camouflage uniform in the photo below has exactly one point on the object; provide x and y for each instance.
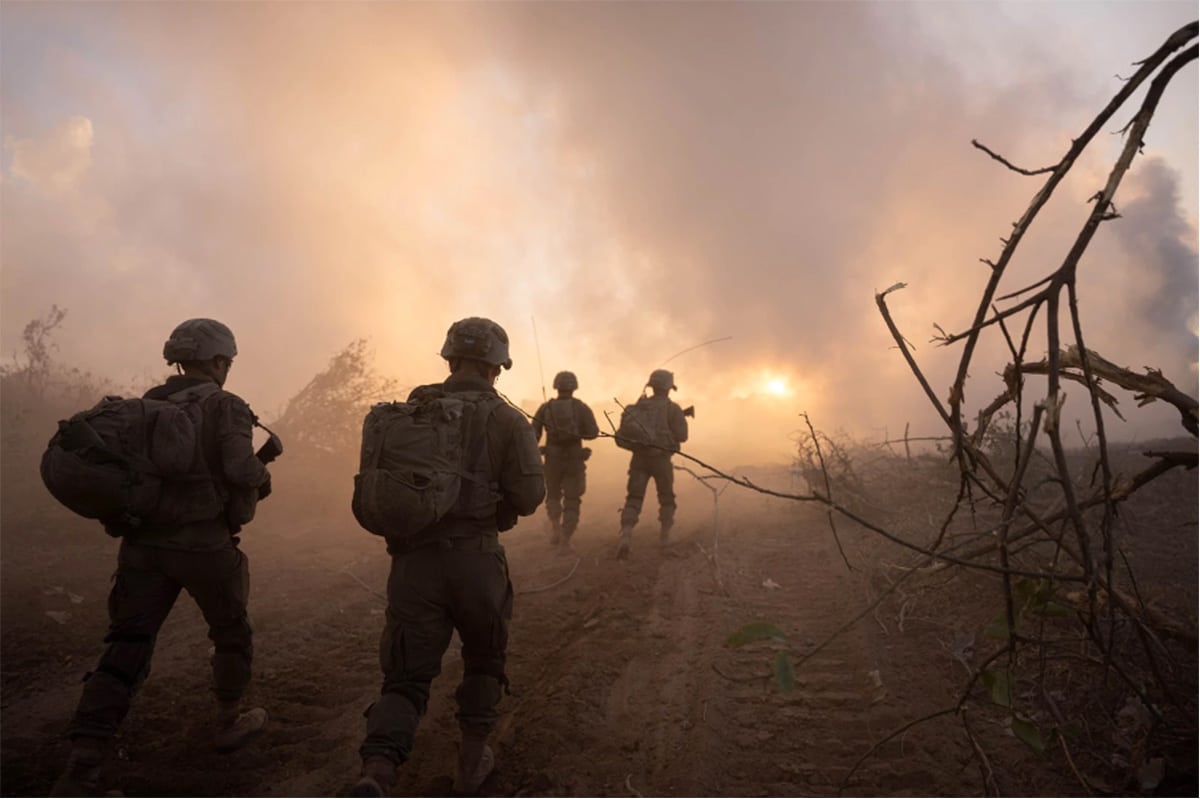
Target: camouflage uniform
(453, 576)
(153, 565)
(567, 421)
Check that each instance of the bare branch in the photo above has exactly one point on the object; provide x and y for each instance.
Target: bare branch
(997, 157)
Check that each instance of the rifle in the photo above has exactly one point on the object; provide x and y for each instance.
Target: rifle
(272, 448)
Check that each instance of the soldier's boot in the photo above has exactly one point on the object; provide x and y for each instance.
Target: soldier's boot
(556, 531)
(625, 544)
(235, 729)
(378, 777)
(568, 530)
(664, 533)
(81, 777)
(475, 762)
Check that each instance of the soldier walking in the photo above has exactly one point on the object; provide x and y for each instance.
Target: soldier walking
(453, 575)
(568, 422)
(663, 427)
(199, 554)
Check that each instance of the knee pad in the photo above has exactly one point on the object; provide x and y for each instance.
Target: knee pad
(478, 694)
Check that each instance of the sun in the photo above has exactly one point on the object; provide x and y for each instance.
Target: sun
(776, 387)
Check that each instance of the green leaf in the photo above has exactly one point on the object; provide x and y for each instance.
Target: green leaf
(1024, 591)
(1071, 731)
(999, 687)
(998, 628)
(1055, 609)
(785, 675)
(755, 631)
(1029, 734)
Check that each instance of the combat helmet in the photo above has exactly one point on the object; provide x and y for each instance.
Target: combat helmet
(662, 380)
(566, 381)
(199, 340)
(478, 338)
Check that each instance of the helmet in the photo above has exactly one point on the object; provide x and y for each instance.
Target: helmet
(478, 338)
(661, 379)
(566, 381)
(199, 340)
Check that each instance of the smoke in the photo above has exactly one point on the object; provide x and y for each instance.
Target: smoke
(57, 161)
(634, 180)
(1161, 248)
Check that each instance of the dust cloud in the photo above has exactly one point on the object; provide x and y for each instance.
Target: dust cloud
(630, 180)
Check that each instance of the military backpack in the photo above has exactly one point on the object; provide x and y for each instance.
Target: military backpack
(644, 427)
(135, 461)
(562, 425)
(422, 459)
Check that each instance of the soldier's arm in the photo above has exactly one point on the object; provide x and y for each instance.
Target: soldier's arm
(235, 426)
(539, 421)
(588, 429)
(522, 482)
(678, 423)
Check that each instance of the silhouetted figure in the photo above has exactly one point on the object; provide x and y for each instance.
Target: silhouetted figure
(652, 429)
(453, 575)
(568, 422)
(199, 554)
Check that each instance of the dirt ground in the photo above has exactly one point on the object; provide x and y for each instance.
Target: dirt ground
(621, 682)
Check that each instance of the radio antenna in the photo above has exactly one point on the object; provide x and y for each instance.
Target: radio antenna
(695, 347)
(538, 346)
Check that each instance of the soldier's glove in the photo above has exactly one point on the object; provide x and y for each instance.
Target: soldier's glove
(506, 516)
(264, 490)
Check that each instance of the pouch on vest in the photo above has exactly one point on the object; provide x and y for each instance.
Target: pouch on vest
(134, 461)
(422, 460)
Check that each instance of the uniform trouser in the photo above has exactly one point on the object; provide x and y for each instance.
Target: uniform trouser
(458, 584)
(642, 467)
(566, 480)
(146, 584)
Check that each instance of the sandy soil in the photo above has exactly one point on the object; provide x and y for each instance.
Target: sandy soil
(622, 684)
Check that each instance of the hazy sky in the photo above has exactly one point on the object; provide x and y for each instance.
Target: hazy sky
(636, 178)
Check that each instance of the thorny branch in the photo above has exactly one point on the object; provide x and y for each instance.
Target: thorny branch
(716, 540)
(1090, 548)
(828, 489)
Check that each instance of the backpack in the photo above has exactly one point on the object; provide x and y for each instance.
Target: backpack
(644, 427)
(422, 459)
(562, 427)
(135, 461)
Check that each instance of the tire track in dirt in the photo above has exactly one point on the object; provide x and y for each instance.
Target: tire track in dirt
(618, 676)
(847, 695)
(616, 691)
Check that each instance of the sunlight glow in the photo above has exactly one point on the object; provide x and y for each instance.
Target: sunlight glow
(777, 387)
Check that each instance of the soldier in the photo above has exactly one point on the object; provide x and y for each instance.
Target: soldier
(667, 426)
(454, 576)
(155, 562)
(568, 421)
